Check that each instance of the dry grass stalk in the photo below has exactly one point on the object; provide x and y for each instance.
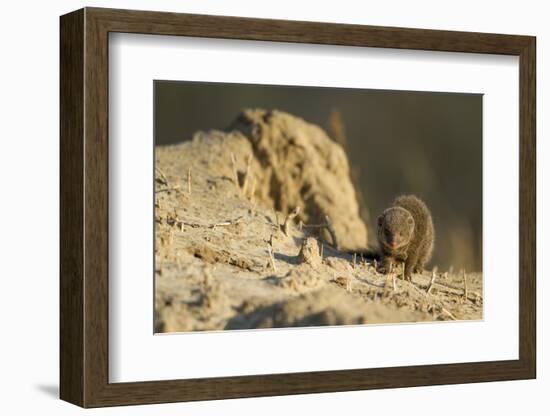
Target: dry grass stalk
(289, 218)
(443, 309)
(226, 223)
(163, 180)
(449, 314)
(354, 259)
(321, 254)
(270, 252)
(173, 188)
(432, 281)
(189, 181)
(276, 218)
(389, 284)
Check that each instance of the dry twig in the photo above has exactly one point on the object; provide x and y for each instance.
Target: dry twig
(454, 318)
(389, 284)
(162, 175)
(226, 223)
(173, 188)
(270, 252)
(289, 218)
(276, 218)
(432, 281)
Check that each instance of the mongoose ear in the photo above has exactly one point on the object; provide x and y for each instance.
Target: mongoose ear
(380, 219)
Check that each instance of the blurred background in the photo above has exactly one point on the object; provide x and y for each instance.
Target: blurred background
(425, 143)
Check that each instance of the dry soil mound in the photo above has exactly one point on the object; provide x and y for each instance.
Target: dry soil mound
(299, 165)
(223, 260)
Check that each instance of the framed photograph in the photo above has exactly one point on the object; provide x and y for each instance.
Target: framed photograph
(257, 207)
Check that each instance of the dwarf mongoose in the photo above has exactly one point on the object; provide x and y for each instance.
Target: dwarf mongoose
(406, 234)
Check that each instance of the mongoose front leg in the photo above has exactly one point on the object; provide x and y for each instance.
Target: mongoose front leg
(409, 265)
(418, 269)
(386, 266)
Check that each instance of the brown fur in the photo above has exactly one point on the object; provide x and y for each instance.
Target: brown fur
(406, 234)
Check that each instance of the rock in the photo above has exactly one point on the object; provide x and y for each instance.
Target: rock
(309, 253)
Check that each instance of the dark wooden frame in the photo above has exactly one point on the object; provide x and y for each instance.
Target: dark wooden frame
(84, 207)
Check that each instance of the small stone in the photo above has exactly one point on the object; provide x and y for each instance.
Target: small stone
(309, 253)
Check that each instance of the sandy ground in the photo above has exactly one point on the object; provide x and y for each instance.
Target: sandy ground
(214, 270)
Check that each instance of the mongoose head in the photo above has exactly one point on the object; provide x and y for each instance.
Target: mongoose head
(395, 228)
